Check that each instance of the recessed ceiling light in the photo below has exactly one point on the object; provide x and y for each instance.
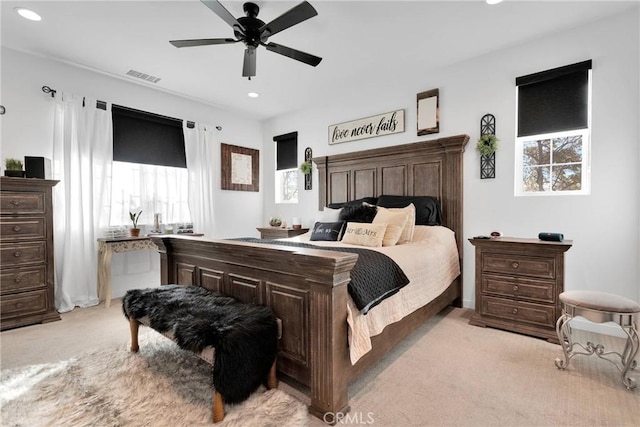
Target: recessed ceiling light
(253, 95)
(494, 1)
(28, 14)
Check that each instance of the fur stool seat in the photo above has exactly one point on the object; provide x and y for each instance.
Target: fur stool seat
(244, 337)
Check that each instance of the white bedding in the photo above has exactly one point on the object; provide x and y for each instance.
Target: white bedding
(430, 262)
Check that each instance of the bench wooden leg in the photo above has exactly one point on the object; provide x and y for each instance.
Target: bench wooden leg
(218, 407)
(272, 379)
(134, 325)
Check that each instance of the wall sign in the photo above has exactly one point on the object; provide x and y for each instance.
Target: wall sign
(369, 127)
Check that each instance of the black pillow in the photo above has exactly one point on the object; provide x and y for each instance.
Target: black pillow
(427, 207)
(327, 231)
(370, 200)
(363, 212)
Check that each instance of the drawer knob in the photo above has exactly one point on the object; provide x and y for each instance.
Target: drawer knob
(515, 287)
(17, 254)
(16, 228)
(15, 203)
(514, 311)
(515, 265)
(19, 305)
(18, 278)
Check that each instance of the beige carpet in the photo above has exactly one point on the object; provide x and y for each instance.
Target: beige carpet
(447, 374)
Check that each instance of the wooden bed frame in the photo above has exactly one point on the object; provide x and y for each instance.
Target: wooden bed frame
(307, 288)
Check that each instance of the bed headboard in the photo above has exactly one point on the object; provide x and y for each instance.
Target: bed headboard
(428, 168)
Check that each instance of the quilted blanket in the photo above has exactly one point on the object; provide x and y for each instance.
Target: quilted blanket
(374, 277)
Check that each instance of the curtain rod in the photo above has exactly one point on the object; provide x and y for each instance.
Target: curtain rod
(103, 106)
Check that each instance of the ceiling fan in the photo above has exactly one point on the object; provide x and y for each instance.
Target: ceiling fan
(253, 32)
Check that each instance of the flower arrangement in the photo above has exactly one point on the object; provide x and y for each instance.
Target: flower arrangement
(275, 221)
(487, 144)
(306, 167)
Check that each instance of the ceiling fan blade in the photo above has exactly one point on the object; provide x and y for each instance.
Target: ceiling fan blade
(223, 13)
(298, 55)
(201, 42)
(294, 16)
(249, 66)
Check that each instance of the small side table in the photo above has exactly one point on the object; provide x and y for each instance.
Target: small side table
(280, 233)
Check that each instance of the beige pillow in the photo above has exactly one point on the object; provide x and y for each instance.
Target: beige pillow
(364, 234)
(405, 218)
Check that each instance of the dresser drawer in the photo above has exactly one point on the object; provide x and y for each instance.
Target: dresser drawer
(536, 290)
(22, 253)
(14, 202)
(519, 311)
(22, 228)
(16, 280)
(543, 267)
(25, 303)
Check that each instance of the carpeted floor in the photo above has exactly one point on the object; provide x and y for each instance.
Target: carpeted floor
(446, 374)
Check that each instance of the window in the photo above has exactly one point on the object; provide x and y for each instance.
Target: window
(149, 168)
(286, 176)
(553, 138)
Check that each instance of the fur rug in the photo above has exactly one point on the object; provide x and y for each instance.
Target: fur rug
(161, 385)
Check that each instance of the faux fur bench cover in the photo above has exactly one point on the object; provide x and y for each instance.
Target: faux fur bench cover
(244, 335)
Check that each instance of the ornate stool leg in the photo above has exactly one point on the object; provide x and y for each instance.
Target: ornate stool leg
(218, 407)
(272, 379)
(564, 336)
(134, 326)
(629, 354)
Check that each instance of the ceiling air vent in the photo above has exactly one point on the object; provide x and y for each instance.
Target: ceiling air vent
(143, 76)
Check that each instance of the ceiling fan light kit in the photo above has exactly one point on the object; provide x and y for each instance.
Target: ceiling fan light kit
(253, 32)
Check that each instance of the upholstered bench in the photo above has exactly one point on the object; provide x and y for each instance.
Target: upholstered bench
(600, 307)
(243, 338)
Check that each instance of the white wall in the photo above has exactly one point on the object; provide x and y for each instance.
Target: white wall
(27, 129)
(604, 226)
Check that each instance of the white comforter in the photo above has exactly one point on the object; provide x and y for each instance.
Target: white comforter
(430, 262)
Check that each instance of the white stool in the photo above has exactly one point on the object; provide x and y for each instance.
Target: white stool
(599, 307)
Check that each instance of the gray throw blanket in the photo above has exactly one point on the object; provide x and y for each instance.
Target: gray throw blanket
(374, 277)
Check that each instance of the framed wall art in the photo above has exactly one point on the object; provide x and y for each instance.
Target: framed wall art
(428, 112)
(240, 168)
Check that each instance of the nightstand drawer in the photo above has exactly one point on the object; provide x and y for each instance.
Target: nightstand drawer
(519, 311)
(26, 302)
(13, 202)
(537, 290)
(22, 228)
(24, 253)
(541, 267)
(15, 280)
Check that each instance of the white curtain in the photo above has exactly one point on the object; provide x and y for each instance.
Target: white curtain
(82, 156)
(200, 148)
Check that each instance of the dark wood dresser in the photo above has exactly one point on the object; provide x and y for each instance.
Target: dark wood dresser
(517, 284)
(26, 246)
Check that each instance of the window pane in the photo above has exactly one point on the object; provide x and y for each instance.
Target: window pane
(287, 186)
(536, 178)
(536, 152)
(567, 177)
(567, 149)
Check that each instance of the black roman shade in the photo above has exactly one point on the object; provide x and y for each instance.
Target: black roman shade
(554, 100)
(142, 137)
(286, 151)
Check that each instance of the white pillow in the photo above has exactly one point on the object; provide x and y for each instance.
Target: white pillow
(402, 217)
(328, 215)
(396, 223)
(364, 234)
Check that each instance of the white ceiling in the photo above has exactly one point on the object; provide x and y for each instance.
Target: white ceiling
(376, 39)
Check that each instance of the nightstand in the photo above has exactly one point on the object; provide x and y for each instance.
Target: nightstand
(280, 233)
(517, 284)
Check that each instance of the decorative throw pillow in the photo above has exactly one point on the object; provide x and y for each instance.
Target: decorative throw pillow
(327, 231)
(428, 210)
(396, 220)
(363, 212)
(364, 234)
(329, 215)
(396, 216)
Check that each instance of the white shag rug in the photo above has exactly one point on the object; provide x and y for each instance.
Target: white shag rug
(161, 385)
